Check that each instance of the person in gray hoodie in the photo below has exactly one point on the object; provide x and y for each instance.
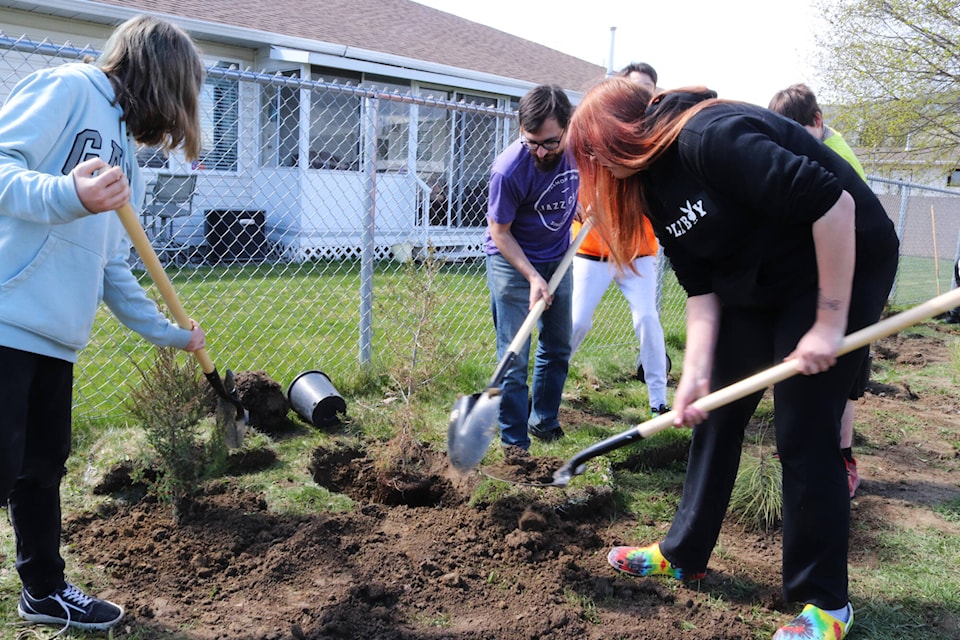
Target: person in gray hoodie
(67, 161)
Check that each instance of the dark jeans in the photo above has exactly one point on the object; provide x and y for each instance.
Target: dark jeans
(35, 432)
(509, 304)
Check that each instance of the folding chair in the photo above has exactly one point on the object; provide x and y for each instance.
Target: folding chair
(171, 197)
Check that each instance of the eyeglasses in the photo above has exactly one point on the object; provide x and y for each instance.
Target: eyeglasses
(549, 145)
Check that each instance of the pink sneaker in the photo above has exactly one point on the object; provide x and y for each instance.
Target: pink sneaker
(853, 477)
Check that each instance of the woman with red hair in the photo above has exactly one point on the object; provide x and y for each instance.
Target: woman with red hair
(782, 249)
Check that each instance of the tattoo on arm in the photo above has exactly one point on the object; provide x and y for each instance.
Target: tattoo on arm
(827, 304)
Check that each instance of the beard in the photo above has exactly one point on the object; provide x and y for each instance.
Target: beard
(547, 162)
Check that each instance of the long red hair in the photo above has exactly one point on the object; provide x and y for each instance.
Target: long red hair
(609, 128)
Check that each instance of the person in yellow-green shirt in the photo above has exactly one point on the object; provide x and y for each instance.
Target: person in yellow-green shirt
(799, 103)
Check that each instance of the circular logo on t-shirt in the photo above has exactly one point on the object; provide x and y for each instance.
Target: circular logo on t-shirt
(559, 200)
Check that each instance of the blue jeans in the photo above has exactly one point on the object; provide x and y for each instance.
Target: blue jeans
(510, 305)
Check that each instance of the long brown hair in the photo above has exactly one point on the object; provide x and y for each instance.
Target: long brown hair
(610, 128)
(156, 72)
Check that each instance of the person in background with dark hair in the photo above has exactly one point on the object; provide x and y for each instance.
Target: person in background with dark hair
(799, 103)
(67, 161)
(782, 249)
(641, 73)
(533, 200)
(592, 274)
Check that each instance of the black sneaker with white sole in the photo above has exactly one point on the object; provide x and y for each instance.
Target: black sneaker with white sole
(69, 607)
(659, 411)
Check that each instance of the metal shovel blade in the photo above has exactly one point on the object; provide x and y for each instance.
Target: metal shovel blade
(474, 419)
(473, 424)
(231, 420)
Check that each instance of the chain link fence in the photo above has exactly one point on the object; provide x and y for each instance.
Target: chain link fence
(928, 225)
(316, 205)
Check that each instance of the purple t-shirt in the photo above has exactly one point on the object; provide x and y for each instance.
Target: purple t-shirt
(538, 205)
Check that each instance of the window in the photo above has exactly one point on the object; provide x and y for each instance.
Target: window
(280, 124)
(393, 134)
(953, 178)
(334, 124)
(454, 154)
(220, 122)
(433, 154)
(152, 158)
(475, 149)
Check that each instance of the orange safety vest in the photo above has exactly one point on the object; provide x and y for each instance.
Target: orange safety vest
(594, 246)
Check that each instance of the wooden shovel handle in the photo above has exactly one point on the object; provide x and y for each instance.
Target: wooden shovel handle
(757, 382)
(863, 337)
(152, 263)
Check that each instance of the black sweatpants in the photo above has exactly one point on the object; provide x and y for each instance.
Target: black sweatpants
(816, 502)
(35, 413)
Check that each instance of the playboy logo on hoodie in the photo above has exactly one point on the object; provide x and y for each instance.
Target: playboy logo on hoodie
(559, 200)
(690, 215)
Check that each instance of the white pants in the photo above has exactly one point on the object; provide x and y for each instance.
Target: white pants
(590, 281)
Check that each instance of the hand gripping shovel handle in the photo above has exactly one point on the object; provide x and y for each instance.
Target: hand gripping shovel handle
(152, 263)
(757, 382)
(527, 327)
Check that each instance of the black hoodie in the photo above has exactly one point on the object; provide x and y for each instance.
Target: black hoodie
(733, 202)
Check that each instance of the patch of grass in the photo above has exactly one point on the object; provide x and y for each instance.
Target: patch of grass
(650, 497)
(288, 486)
(607, 404)
(588, 608)
(489, 491)
(915, 282)
(659, 450)
(890, 427)
(949, 510)
(437, 620)
(306, 499)
(902, 592)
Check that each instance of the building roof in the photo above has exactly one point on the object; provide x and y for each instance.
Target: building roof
(397, 27)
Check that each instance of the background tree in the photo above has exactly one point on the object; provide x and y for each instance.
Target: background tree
(892, 70)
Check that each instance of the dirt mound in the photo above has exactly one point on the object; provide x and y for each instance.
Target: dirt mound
(265, 401)
(421, 557)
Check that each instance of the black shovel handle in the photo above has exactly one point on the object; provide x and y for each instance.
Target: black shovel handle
(232, 396)
(757, 382)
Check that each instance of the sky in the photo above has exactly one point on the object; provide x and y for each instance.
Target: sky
(744, 49)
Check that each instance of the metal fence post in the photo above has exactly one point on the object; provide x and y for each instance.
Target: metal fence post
(901, 225)
(371, 110)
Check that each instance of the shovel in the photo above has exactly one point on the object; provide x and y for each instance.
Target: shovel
(473, 420)
(887, 327)
(230, 408)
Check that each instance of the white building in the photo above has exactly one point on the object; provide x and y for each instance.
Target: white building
(307, 161)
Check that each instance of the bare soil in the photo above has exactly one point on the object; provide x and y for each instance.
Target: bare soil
(415, 560)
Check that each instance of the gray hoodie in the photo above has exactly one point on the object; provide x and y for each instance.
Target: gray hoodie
(57, 260)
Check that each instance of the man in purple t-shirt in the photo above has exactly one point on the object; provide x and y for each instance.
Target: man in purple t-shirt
(533, 199)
